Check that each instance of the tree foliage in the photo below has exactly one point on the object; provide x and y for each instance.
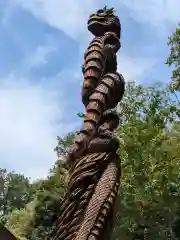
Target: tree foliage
(14, 191)
(150, 143)
(174, 58)
(49, 195)
(63, 145)
(19, 220)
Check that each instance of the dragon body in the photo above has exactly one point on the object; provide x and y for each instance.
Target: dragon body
(94, 165)
(92, 187)
(103, 87)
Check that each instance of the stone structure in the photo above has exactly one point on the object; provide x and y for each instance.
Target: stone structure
(94, 165)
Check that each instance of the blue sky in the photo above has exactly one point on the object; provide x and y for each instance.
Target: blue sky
(41, 52)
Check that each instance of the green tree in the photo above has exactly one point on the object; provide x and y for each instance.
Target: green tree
(34, 220)
(49, 195)
(19, 220)
(14, 191)
(150, 190)
(63, 145)
(174, 58)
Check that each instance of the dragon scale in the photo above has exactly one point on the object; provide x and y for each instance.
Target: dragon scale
(94, 165)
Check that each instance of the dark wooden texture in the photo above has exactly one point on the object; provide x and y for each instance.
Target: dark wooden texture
(5, 234)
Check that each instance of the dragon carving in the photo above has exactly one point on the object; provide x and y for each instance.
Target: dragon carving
(94, 165)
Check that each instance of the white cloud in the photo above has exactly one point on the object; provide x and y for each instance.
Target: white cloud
(38, 57)
(69, 16)
(28, 126)
(155, 12)
(133, 67)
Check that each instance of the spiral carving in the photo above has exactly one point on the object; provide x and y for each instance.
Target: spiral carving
(94, 166)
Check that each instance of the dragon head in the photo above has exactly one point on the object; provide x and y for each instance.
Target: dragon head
(104, 20)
